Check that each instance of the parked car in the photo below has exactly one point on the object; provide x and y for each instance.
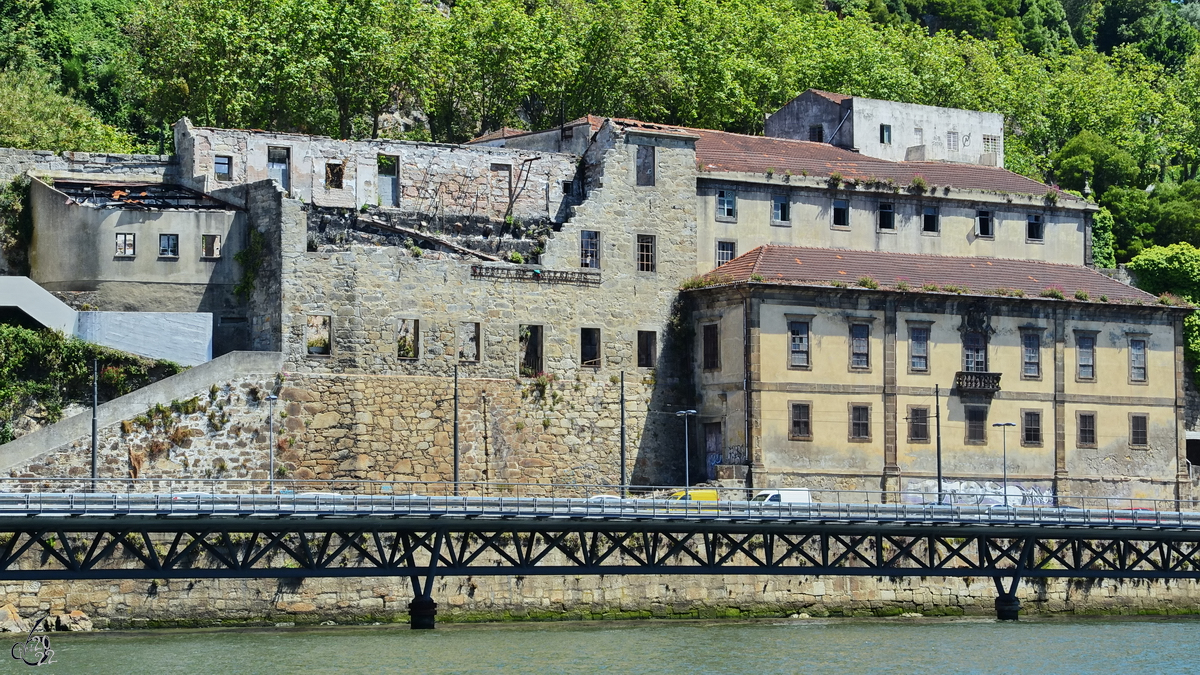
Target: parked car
(784, 496)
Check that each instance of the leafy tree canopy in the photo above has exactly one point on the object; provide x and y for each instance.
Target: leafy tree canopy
(34, 114)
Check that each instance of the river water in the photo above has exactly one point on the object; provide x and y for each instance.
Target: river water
(844, 646)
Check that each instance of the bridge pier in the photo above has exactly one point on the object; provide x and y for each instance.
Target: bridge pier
(422, 613)
(1007, 607)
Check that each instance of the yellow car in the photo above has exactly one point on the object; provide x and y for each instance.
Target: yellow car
(699, 495)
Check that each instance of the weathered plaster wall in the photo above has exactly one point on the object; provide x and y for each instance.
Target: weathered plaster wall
(53, 164)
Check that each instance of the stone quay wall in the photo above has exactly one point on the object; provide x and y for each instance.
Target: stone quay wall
(231, 602)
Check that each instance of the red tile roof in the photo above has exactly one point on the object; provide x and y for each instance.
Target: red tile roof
(974, 276)
(719, 151)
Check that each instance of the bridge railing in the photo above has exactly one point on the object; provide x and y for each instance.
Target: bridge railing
(366, 497)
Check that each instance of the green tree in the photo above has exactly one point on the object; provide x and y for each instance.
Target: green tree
(1089, 160)
(1103, 240)
(34, 115)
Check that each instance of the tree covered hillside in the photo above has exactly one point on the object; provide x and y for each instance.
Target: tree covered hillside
(113, 74)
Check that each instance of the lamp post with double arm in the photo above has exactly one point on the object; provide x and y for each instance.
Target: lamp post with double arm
(1004, 434)
(686, 453)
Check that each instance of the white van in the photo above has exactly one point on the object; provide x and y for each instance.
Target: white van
(784, 496)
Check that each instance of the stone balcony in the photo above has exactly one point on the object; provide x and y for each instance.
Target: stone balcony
(977, 383)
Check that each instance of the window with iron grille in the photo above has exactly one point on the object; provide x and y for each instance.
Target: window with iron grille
(589, 347)
(711, 347)
(645, 165)
(974, 353)
(647, 346)
(860, 422)
(1031, 427)
(816, 133)
(1085, 349)
(976, 424)
(952, 141)
(1034, 229)
(781, 209)
(918, 349)
(860, 346)
(645, 253)
(798, 344)
(885, 134)
(589, 249)
(1087, 430)
(168, 246)
(991, 143)
(1139, 430)
(801, 421)
(726, 251)
(223, 167)
(125, 242)
(841, 213)
(1137, 360)
(983, 224)
(1031, 344)
(726, 204)
(887, 216)
(929, 219)
(918, 424)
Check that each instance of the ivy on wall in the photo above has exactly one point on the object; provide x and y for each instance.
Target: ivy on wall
(16, 224)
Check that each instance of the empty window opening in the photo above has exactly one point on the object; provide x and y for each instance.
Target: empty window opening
(1031, 427)
(568, 187)
(645, 165)
(860, 346)
(408, 339)
(711, 347)
(223, 167)
(816, 133)
(983, 224)
(860, 422)
(1031, 344)
(1139, 430)
(531, 350)
(918, 349)
(841, 213)
(210, 245)
(885, 134)
(974, 353)
(1085, 349)
(318, 336)
(647, 348)
(929, 219)
(918, 424)
(501, 186)
(952, 141)
(589, 249)
(726, 204)
(991, 143)
(801, 421)
(1137, 360)
(334, 172)
(468, 341)
(589, 347)
(887, 216)
(389, 180)
(798, 344)
(976, 424)
(168, 246)
(278, 166)
(781, 209)
(125, 247)
(1034, 228)
(726, 251)
(1087, 430)
(645, 253)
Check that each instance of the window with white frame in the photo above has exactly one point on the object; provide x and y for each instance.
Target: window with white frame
(1031, 353)
(726, 204)
(168, 246)
(589, 249)
(841, 213)
(781, 210)
(798, 344)
(125, 242)
(952, 141)
(1085, 356)
(974, 353)
(984, 226)
(885, 134)
(860, 346)
(1137, 360)
(991, 143)
(223, 167)
(726, 251)
(918, 349)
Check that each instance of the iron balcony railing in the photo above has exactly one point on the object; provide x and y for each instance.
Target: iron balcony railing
(977, 383)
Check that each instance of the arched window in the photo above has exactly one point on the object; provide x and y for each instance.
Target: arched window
(974, 353)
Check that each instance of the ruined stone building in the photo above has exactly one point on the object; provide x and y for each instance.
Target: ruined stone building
(543, 271)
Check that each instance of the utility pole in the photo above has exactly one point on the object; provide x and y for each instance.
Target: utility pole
(456, 429)
(624, 477)
(937, 416)
(95, 421)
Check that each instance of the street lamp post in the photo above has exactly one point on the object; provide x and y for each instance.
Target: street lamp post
(686, 453)
(1004, 434)
(271, 441)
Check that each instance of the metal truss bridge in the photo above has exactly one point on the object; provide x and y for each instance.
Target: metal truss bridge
(164, 536)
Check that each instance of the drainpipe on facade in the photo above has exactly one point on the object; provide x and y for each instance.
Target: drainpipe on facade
(747, 405)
